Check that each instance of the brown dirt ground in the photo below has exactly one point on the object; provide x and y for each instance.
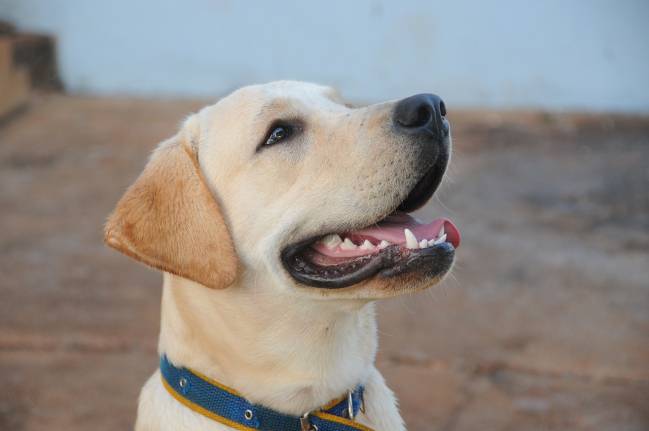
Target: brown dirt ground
(544, 324)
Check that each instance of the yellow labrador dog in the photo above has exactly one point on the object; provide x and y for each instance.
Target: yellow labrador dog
(278, 216)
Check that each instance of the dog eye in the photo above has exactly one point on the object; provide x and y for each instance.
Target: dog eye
(278, 134)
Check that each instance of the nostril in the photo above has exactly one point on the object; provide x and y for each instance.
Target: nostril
(422, 118)
(418, 117)
(442, 108)
(424, 115)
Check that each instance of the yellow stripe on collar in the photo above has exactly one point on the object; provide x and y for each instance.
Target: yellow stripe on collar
(226, 406)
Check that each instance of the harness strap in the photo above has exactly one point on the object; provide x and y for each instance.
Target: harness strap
(227, 406)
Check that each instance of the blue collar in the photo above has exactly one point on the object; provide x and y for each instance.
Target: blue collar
(225, 405)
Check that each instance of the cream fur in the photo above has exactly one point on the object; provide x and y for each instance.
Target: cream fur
(294, 356)
(281, 344)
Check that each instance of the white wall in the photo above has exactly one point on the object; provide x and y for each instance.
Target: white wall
(570, 54)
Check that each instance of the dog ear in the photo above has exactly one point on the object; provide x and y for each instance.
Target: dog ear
(169, 219)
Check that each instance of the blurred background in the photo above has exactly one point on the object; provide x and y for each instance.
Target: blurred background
(544, 324)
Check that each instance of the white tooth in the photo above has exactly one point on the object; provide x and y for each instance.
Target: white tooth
(431, 242)
(441, 232)
(332, 241)
(367, 245)
(411, 239)
(383, 244)
(348, 245)
(423, 243)
(441, 239)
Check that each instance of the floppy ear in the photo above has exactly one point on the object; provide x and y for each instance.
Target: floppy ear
(168, 219)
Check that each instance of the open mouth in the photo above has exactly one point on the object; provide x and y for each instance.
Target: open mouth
(395, 245)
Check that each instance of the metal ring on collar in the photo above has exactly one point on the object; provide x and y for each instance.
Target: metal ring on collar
(305, 423)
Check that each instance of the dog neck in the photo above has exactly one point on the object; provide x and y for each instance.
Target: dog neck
(289, 353)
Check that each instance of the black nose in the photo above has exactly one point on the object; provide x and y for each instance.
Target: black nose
(422, 113)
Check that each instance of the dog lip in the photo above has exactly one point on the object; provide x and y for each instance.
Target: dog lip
(433, 261)
(373, 264)
(389, 262)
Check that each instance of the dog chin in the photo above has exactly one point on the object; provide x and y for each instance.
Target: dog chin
(411, 282)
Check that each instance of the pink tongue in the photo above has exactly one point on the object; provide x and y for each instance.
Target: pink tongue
(391, 229)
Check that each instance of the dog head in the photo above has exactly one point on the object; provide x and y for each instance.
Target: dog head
(285, 183)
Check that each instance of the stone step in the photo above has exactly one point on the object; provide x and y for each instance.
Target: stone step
(14, 90)
(14, 81)
(27, 61)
